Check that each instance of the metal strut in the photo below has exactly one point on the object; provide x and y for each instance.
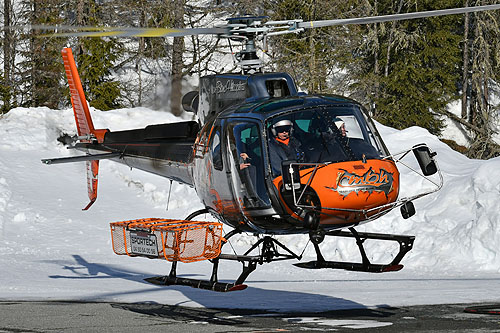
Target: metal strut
(270, 251)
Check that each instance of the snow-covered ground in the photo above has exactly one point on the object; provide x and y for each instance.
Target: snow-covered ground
(52, 250)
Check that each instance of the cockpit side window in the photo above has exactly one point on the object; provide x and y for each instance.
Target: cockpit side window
(374, 136)
(277, 88)
(352, 126)
(215, 147)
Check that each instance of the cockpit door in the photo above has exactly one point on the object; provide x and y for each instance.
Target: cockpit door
(246, 164)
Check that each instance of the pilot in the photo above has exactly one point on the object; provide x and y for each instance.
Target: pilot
(283, 146)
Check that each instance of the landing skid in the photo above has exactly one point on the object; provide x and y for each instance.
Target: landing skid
(270, 250)
(405, 245)
(350, 266)
(169, 280)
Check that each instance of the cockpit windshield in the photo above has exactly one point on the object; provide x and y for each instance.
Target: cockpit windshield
(322, 134)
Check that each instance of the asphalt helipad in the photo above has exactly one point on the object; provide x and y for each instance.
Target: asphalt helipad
(139, 317)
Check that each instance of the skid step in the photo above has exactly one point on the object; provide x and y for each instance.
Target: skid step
(200, 284)
(350, 266)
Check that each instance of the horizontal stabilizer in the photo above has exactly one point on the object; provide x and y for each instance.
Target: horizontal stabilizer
(80, 158)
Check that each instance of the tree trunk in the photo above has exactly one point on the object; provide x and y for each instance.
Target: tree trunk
(486, 100)
(141, 55)
(465, 76)
(7, 55)
(376, 66)
(80, 20)
(36, 50)
(312, 64)
(313, 77)
(177, 63)
(389, 43)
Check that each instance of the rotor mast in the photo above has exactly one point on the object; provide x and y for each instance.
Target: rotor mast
(246, 29)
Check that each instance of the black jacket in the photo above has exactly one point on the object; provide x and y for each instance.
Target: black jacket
(280, 152)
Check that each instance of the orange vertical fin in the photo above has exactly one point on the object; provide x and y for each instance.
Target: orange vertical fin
(80, 107)
(83, 120)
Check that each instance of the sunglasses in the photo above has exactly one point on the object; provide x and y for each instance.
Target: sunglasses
(281, 129)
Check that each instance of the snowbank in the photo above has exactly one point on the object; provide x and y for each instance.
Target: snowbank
(53, 249)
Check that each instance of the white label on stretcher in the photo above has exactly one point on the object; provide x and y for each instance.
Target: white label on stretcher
(143, 243)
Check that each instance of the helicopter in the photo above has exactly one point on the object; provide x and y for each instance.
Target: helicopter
(342, 176)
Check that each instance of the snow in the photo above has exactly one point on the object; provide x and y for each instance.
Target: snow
(453, 130)
(457, 132)
(52, 250)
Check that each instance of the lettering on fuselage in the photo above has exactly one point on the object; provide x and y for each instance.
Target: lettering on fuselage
(370, 182)
(228, 86)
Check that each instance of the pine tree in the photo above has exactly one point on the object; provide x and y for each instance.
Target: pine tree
(95, 60)
(308, 56)
(407, 69)
(41, 69)
(484, 76)
(5, 96)
(8, 45)
(423, 73)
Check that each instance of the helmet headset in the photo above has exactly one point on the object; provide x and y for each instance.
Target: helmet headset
(275, 129)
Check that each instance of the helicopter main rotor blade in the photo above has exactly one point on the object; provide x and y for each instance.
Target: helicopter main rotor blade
(241, 30)
(141, 32)
(89, 31)
(394, 17)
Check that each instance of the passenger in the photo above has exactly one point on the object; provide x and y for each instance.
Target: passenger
(244, 161)
(283, 146)
(325, 144)
(341, 126)
(359, 147)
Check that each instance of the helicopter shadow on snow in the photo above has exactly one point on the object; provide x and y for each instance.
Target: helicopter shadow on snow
(250, 298)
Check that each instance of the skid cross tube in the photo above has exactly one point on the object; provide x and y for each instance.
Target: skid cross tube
(405, 241)
(359, 243)
(405, 245)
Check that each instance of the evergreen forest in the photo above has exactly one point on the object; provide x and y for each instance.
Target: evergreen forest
(406, 73)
